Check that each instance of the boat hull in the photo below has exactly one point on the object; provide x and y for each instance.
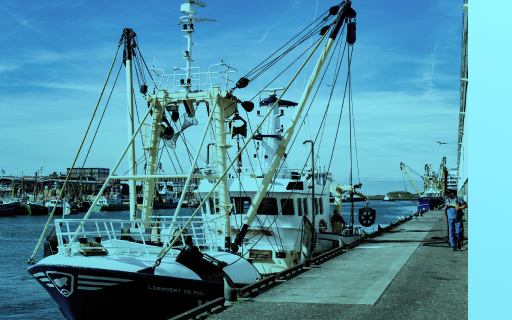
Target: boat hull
(8, 209)
(36, 210)
(165, 205)
(58, 211)
(429, 203)
(353, 200)
(330, 237)
(89, 293)
(112, 207)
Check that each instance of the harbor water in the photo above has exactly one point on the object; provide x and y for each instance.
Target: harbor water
(21, 297)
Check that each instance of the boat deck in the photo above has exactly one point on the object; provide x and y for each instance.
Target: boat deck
(408, 272)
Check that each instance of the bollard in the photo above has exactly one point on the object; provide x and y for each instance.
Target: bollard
(379, 228)
(230, 292)
(390, 223)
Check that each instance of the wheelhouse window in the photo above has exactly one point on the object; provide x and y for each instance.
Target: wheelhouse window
(305, 205)
(299, 207)
(321, 205)
(287, 207)
(242, 204)
(268, 206)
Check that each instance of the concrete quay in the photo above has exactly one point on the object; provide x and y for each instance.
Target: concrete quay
(407, 272)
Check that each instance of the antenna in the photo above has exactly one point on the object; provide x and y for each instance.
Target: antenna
(272, 91)
(188, 21)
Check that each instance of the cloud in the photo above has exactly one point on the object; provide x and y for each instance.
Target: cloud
(68, 86)
(9, 67)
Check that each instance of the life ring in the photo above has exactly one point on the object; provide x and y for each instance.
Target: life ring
(322, 226)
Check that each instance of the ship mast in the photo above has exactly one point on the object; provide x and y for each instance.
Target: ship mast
(188, 28)
(128, 38)
(346, 12)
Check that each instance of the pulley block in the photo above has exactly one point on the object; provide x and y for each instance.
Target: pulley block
(351, 33)
(367, 216)
(242, 130)
(175, 115)
(242, 83)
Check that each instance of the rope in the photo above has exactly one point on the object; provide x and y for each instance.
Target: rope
(31, 258)
(354, 126)
(101, 119)
(339, 120)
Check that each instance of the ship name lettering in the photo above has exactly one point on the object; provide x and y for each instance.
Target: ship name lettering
(164, 289)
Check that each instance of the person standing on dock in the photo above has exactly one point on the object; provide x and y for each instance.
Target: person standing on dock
(453, 208)
(336, 222)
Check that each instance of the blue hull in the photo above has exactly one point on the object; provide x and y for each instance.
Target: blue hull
(87, 293)
(429, 203)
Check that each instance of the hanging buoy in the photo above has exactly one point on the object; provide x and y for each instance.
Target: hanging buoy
(351, 33)
(367, 216)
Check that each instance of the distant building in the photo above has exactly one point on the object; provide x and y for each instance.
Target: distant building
(96, 173)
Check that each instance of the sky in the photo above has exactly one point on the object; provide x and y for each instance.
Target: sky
(405, 80)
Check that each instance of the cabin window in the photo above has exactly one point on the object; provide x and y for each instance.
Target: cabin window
(287, 207)
(295, 185)
(299, 207)
(211, 205)
(268, 206)
(242, 204)
(305, 202)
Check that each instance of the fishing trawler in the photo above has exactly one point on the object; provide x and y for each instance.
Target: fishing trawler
(272, 243)
(434, 190)
(8, 208)
(92, 265)
(111, 202)
(59, 207)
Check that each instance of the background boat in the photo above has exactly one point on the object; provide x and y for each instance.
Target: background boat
(7, 209)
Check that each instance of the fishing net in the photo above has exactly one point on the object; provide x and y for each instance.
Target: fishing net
(170, 140)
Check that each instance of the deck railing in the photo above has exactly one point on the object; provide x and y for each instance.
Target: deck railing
(146, 241)
(200, 81)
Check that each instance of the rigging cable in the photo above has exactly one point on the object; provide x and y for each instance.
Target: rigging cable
(31, 258)
(338, 65)
(354, 126)
(105, 109)
(350, 125)
(339, 119)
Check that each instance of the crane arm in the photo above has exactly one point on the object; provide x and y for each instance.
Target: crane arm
(402, 166)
